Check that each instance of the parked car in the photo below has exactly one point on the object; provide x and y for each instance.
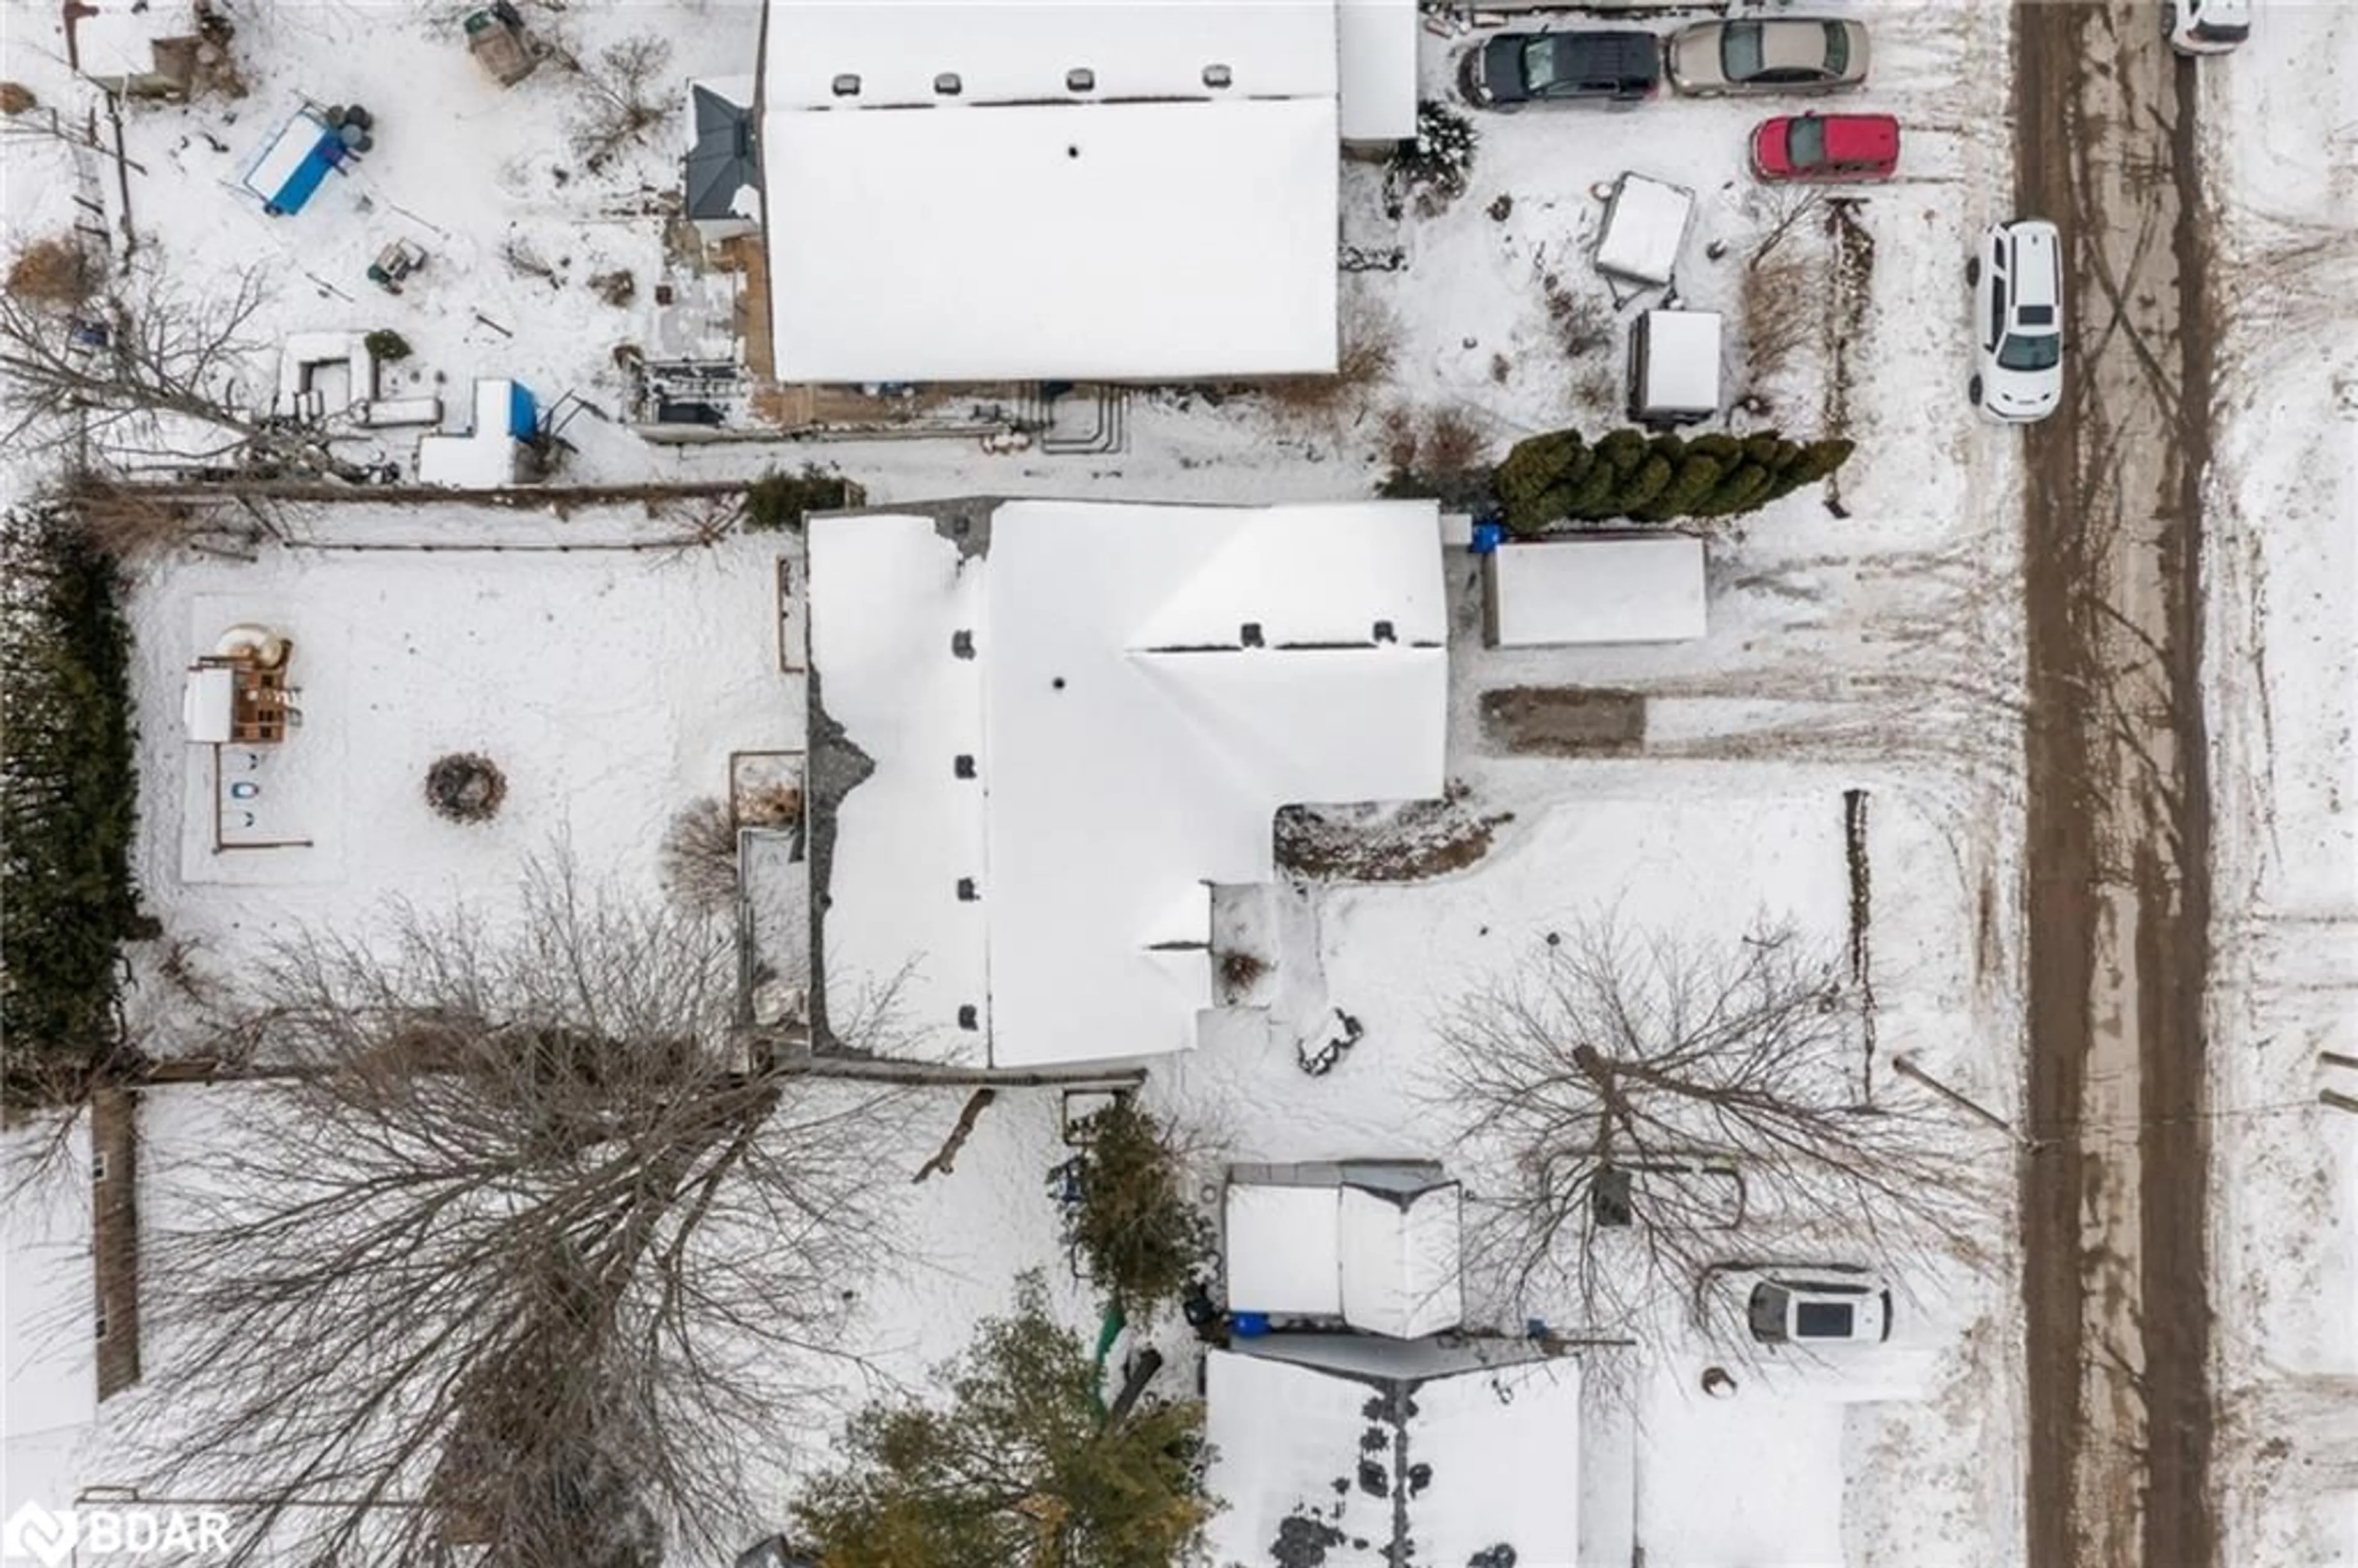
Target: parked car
(1825, 148)
(1510, 69)
(2017, 276)
(1811, 1310)
(2206, 26)
(1789, 54)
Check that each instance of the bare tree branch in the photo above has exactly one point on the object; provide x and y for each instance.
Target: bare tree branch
(1639, 1110)
(522, 1257)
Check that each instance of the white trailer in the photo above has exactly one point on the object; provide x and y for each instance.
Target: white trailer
(1594, 587)
(1645, 228)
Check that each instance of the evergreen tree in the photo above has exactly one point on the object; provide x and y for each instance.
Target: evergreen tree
(1134, 1229)
(1536, 481)
(1643, 487)
(1023, 1469)
(1688, 487)
(1815, 461)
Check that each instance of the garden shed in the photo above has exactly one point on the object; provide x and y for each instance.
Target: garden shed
(1594, 587)
(1371, 1245)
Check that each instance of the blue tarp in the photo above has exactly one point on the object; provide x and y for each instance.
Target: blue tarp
(523, 419)
(288, 167)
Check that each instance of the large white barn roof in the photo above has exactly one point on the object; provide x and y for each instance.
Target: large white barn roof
(1127, 748)
(1044, 189)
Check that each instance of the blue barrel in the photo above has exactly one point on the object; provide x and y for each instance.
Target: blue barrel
(1248, 1324)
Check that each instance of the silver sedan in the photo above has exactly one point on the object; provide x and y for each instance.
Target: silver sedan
(1790, 54)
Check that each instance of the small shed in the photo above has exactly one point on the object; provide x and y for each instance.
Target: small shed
(1594, 587)
(286, 170)
(1674, 367)
(1372, 1245)
(492, 453)
(1645, 228)
(1376, 89)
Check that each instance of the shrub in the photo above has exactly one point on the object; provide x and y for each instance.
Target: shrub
(1556, 476)
(69, 801)
(1133, 1226)
(385, 345)
(1431, 171)
(779, 500)
(52, 272)
(16, 98)
(465, 787)
(698, 861)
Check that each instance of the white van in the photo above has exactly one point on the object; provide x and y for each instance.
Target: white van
(1674, 367)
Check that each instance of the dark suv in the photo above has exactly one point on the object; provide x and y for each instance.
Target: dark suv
(1510, 69)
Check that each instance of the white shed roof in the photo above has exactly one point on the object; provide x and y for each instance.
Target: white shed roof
(1127, 748)
(1379, 44)
(1500, 1447)
(1383, 1261)
(1283, 1248)
(1399, 1258)
(1578, 588)
(1145, 225)
(1682, 369)
(1645, 228)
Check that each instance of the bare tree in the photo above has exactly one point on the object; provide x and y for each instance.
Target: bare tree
(143, 373)
(624, 93)
(516, 1254)
(1641, 1111)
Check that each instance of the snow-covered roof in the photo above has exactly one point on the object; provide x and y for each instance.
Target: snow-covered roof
(1024, 52)
(1645, 228)
(1382, 1259)
(116, 38)
(1126, 746)
(1682, 369)
(1586, 588)
(1377, 1469)
(1769, 1459)
(486, 457)
(1377, 41)
(1127, 192)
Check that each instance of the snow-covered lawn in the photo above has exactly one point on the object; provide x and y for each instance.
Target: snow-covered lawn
(609, 685)
(2282, 672)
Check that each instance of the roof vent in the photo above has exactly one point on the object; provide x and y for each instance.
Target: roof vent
(948, 84)
(1384, 631)
(962, 645)
(966, 894)
(1217, 76)
(968, 1018)
(1080, 79)
(846, 85)
(1249, 634)
(963, 765)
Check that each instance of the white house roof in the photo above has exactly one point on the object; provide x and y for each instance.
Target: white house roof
(1147, 225)
(1483, 1458)
(1382, 1261)
(1025, 51)
(1127, 748)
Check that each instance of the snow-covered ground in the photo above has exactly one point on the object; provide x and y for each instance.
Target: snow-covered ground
(1878, 649)
(2280, 122)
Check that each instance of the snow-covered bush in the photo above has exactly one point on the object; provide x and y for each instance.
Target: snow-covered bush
(465, 787)
(1432, 170)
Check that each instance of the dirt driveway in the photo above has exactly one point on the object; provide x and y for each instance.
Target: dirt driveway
(2114, 1276)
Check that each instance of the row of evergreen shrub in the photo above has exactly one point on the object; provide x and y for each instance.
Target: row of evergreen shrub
(1561, 476)
(68, 796)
